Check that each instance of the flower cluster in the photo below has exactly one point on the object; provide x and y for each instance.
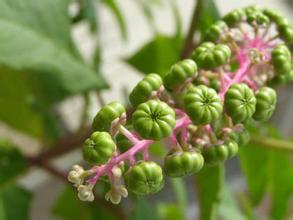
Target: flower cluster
(198, 109)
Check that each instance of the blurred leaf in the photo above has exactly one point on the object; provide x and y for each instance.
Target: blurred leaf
(43, 46)
(143, 210)
(179, 189)
(14, 203)
(209, 182)
(170, 212)
(207, 14)
(158, 149)
(228, 208)
(24, 104)
(157, 55)
(12, 163)
(69, 207)
(88, 13)
(113, 6)
(274, 174)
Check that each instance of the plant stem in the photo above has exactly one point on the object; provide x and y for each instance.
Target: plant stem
(272, 143)
(189, 44)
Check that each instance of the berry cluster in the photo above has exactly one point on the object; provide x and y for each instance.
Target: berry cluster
(198, 109)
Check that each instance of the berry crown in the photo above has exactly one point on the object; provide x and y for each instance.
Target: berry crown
(199, 108)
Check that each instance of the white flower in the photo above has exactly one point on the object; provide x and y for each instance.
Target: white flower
(76, 175)
(115, 194)
(85, 193)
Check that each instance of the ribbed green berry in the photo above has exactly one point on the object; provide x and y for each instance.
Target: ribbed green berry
(209, 56)
(122, 142)
(276, 17)
(286, 33)
(281, 59)
(107, 114)
(254, 14)
(202, 104)
(145, 178)
(266, 99)
(99, 148)
(234, 17)
(243, 137)
(178, 164)
(232, 147)
(215, 31)
(215, 154)
(154, 120)
(215, 84)
(179, 73)
(143, 90)
(240, 102)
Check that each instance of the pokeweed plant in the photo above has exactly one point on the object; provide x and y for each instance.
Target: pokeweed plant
(199, 109)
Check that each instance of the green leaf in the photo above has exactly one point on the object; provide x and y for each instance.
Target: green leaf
(274, 174)
(209, 182)
(208, 15)
(12, 163)
(113, 6)
(14, 203)
(179, 189)
(44, 45)
(157, 55)
(143, 210)
(228, 207)
(88, 13)
(69, 207)
(169, 212)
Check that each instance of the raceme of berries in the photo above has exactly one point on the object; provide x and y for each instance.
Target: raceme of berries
(198, 110)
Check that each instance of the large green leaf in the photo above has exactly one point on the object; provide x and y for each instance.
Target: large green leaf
(169, 212)
(268, 171)
(35, 36)
(143, 210)
(209, 184)
(12, 163)
(228, 207)
(14, 203)
(69, 207)
(157, 55)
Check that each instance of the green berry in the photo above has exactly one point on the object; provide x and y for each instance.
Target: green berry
(286, 33)
(154, 120)
(99, 148)
(178, 164)
(254, 14)
(145, 178)
(215, 154)
(232, 147)
(143, 90)
(215, 31)
(107, 114)
(179, 73)
(266, 99)
(234, 17)
(202, 104)
(240, 102)
(209, 56)
(276, 17)
(281, 59)
(122, 142)
(243, 137)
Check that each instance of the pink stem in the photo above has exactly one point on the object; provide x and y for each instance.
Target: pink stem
(132, 137)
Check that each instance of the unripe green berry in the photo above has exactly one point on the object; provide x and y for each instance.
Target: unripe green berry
(178, 164)
(202, 104)
(266, 99)
(232, 147)
(179, 73)
(154, 120)
(240, 102)
(215, 154)
(99, 148)
(234, 17)
(122, 142)
(209, 56)
(275, 17)
(281, 59)
(107, 114)
(286, 33)
(143, 90)
(215, 31)
(145, 178)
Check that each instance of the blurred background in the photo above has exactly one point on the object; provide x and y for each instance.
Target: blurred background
(60, 61)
